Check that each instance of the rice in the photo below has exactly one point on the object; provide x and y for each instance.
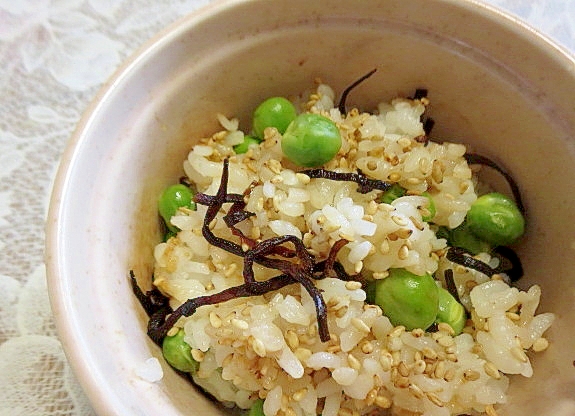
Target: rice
(268, 346)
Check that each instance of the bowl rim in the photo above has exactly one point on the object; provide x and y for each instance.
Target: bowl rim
(54, 259)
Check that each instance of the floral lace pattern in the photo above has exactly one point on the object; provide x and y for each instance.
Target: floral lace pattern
(55, 54)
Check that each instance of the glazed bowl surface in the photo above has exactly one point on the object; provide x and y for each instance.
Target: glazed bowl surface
(494, 84)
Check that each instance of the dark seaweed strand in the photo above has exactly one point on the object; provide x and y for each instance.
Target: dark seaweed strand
(365, 184)
(450, 284)
(464, 258)
(152, 301)
(475, 159)
(341, 105)
(303, 272)
(420, 93)
(506, 254)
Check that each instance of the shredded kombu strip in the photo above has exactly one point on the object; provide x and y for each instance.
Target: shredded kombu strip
(270, 253)
(342, 105)
(505, 254)
(365, 184)
(475, 159)
(450, 284)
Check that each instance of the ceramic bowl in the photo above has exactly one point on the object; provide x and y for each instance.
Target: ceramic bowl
(493, 82)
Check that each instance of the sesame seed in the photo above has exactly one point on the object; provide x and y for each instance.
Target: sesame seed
(445, 341)
(302, 354)
(416, 391)
(429, 353)
(471, 375)
(403, 252)
(399, 220)
(302, 178)
(512, 316)
(215, 320)
(292, 339)
(352, 285)
(357, 267)
(445, 327)
(360, 325)
(403, 369)
(401, 381)
(434, 399)
(173, 331)
(394, 177)
(419, 366)
(519, 354)
(299, 395)
(449, 374)
(240, 323)
(491, 370)
(353, 362)
(371, 396)
(490, 411)
(540, 344)
(439, 371)
(383, 402)
(380, 275)
(366, 347)
(197, 355)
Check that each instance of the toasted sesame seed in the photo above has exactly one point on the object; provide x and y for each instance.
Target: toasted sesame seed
(417, 333)
(302, 178)
(299, 395)
(215, 320)
(197, 355)
(366, 347)
(353, 362)
(439, 371)
(445, 341)
(385, 360)
(403, 252)
(402, 369)
(490, 411)
(419, 366)
(434, 399)
(519, 354)
(449, 374)
(540, 344)
(371, 396)
(360, 325)
(491, 370)
(240, 323)
(429, 353)
(416, 391)
(401, 381)
(384, 246)
(352, 285)
(512, 316)
(380, 275)
(173, 331)
(397, 331)
(471, 375)
(302, 353)
(402, 222)
(357, 267)
(445, 327)
(292, 339)
(383, 402)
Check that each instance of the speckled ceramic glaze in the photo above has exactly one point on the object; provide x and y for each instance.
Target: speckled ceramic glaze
(493, 83)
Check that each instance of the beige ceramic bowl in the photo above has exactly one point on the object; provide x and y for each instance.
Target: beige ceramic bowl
(493, 83)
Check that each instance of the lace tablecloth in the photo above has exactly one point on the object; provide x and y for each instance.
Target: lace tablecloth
(54, 56)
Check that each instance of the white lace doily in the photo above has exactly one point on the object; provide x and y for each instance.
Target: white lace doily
(54, 56)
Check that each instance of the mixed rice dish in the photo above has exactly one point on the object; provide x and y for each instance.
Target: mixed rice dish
(274, 276)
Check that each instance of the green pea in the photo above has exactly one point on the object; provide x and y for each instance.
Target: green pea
(408, 299)
(174, 197)
(429, 211)
(311, 140)
(178, 353)
(451, 311)
(464, 238)
(257, 408)
(394, 192)
(245, 145)
(496, 219)
(275, 112)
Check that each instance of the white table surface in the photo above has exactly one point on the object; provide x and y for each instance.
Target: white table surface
(54, 56)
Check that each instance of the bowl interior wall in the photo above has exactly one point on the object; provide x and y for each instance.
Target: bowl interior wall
(148, 135)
